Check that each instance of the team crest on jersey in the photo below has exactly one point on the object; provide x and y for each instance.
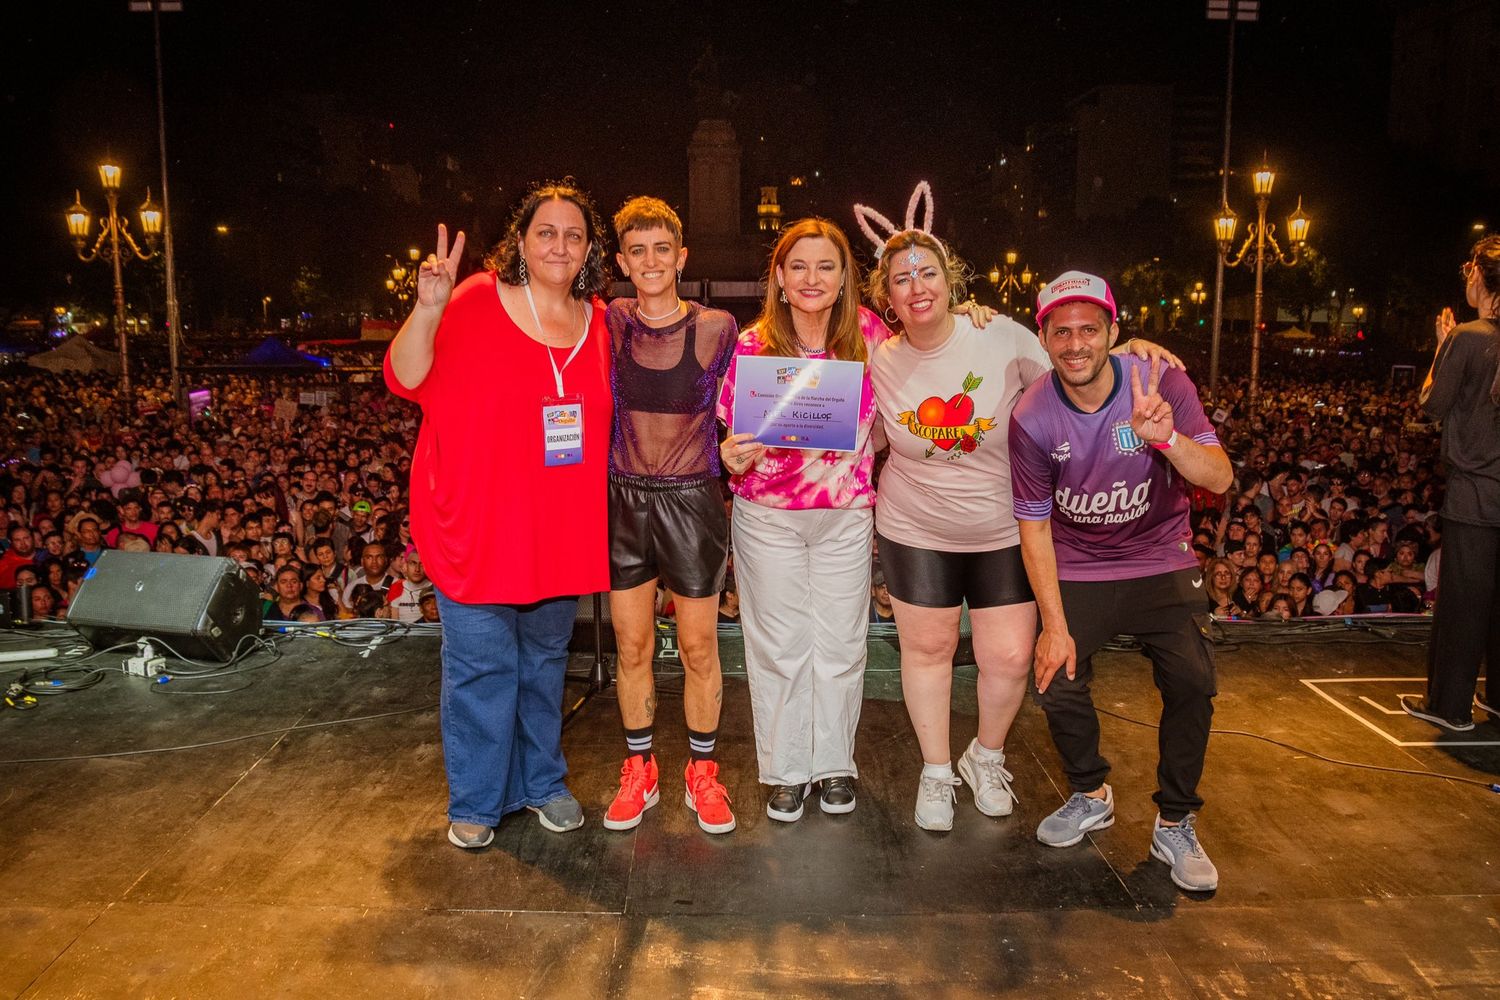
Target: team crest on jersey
(1062, 453)
(1127, 441)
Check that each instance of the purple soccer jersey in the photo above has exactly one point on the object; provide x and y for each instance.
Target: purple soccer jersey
(1119, 509)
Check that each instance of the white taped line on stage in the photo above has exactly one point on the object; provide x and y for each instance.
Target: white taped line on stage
(1315, 683)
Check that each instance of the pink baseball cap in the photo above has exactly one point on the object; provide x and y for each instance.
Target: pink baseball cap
(1075, 286)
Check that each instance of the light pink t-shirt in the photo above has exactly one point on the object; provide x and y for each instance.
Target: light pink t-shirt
(946, 485)
(796, 479)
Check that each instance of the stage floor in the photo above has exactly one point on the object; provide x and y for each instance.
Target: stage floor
(314, 863)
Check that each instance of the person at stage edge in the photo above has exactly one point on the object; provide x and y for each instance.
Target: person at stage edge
(1463, 391)
(511, 370)
(1103, 455)
(666, 513)
(944, 525)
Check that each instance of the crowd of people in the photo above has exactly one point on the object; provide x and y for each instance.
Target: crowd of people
(309, 500)
(1334, 509)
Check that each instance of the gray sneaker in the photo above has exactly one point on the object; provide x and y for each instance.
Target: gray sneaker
(1077, 817)
(470, 836)
(560, 815)
(935, 798)
(1178, 846)
(989, 780)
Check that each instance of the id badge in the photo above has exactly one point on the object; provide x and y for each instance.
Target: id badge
(562, 430)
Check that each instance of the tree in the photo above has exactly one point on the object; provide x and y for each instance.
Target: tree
(1304, 288)
(308, 292)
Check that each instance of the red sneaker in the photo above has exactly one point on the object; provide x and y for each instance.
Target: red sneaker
(638, 792)
(707, 797)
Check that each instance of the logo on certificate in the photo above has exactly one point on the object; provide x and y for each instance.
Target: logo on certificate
(793, 375)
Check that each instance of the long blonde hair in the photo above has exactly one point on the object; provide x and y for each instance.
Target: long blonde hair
(845, 340)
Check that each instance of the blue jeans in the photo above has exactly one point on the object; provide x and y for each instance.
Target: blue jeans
(503, 667)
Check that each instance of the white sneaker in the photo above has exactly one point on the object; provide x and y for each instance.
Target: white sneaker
(935, 798)
(986, 774)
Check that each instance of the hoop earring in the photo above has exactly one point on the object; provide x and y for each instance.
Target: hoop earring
(886, 315)
(783, 295)
(521, 267)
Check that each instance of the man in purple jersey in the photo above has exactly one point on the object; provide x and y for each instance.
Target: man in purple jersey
(1101, 467)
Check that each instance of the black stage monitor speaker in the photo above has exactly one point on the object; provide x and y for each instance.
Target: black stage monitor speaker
(202, 606)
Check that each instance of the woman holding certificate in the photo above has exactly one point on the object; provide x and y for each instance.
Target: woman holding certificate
(802, 525)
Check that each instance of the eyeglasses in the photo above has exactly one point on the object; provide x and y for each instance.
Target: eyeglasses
(1467, 270)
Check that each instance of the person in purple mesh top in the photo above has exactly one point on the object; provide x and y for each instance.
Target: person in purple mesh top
(666, 511)
(1104, 452)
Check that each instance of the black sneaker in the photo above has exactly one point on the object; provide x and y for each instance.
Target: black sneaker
(836, 794)
(785, 804)
(1417, 708)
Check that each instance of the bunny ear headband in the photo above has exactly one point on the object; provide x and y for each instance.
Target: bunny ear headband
(865, 215)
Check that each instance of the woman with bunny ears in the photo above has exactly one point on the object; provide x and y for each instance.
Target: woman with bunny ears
(944, 525)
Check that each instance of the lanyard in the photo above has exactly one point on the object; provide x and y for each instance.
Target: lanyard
(556, 371)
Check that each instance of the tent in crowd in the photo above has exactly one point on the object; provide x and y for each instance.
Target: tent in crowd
(275, 352)
(76, 354)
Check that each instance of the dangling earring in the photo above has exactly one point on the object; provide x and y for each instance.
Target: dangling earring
(679, 275)
(783, 295)
(580, 279)
(521, 266)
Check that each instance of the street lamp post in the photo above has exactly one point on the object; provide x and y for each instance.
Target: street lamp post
(265, 311)
(402, 281)
(112, 232)
(1007, 279)
(1261, 239)
(1197, 297)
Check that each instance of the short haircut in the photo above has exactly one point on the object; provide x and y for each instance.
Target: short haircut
(646, 212)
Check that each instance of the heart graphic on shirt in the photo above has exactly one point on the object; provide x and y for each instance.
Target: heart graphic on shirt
(957, 411)
(947, 423)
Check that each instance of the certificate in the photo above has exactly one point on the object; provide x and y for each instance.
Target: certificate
(798, 402)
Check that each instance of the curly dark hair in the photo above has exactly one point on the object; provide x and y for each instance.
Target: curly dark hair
(504, 256)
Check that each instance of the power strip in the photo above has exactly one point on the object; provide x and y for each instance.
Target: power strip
(146, 662)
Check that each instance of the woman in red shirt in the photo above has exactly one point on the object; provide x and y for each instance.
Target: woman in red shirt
(511, 369)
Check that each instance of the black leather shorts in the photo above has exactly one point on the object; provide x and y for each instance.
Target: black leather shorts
(932, 579)
(673, 530)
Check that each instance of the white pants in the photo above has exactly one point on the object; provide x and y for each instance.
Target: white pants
(804, 584)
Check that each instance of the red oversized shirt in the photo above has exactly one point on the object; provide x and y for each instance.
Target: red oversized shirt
(493, 523)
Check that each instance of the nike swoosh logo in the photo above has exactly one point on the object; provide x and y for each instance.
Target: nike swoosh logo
(1198, 582)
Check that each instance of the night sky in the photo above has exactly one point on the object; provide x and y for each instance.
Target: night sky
(873, 95)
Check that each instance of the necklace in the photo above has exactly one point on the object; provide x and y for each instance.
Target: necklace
(811, 350)
(647, 316)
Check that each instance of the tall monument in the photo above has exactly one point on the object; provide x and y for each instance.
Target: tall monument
(721, 250)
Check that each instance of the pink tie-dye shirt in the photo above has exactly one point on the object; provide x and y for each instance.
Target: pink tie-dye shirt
(797, 479)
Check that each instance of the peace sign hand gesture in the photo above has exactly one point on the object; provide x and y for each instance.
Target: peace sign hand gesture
(1150, 414)
(439, 272)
